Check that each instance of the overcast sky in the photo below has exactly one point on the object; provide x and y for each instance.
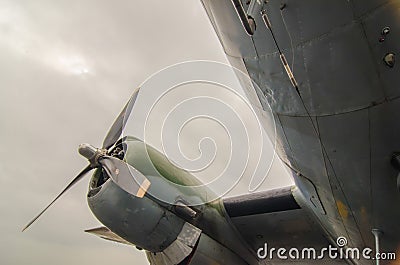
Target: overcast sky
(66, 70)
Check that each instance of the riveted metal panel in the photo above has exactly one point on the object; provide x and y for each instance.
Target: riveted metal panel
(262, 37)
(341, 203)
(385, 131)
(310, 163)
(361, 7)
(305, 147)
(341, 72)
(282, 145)
(328, 70)
(386, 16)
(347, 145)
(325, 12)
(299, 17)
(271, 77)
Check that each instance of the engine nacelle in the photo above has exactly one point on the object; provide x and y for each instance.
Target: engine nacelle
(207, 251)
(173, 220)
(143, 222)
(140, 221)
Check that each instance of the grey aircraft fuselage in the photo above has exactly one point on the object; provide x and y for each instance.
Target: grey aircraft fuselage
(338, 133)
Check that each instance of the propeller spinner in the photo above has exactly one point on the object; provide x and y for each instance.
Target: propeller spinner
(121, 173)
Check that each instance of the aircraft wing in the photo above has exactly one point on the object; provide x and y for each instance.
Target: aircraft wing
(274, 217)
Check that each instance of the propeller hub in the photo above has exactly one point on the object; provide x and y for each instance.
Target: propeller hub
(91, 153)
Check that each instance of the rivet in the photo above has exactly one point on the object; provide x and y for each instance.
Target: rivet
(385, 31)
(390, 59)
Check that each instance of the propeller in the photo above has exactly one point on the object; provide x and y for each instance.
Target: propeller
(116, 129)
(121, 173)
(75, 180)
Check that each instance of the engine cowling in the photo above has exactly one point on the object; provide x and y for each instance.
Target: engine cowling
(140, 221)
(170, 233)
(207, 251)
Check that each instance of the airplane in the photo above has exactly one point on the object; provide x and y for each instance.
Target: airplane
(328, 71)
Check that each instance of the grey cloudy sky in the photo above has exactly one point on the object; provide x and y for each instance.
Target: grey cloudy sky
(66, 70)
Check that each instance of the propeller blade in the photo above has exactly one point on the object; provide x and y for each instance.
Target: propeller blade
(116, 129)
(125, 176)
(72, 183)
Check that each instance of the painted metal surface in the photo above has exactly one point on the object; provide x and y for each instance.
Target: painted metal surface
(152, 222)
(339, 132)
(179, 250)
(210, 252)
(140, 221)
(336, 135)
(277, 200)
(387, 15)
